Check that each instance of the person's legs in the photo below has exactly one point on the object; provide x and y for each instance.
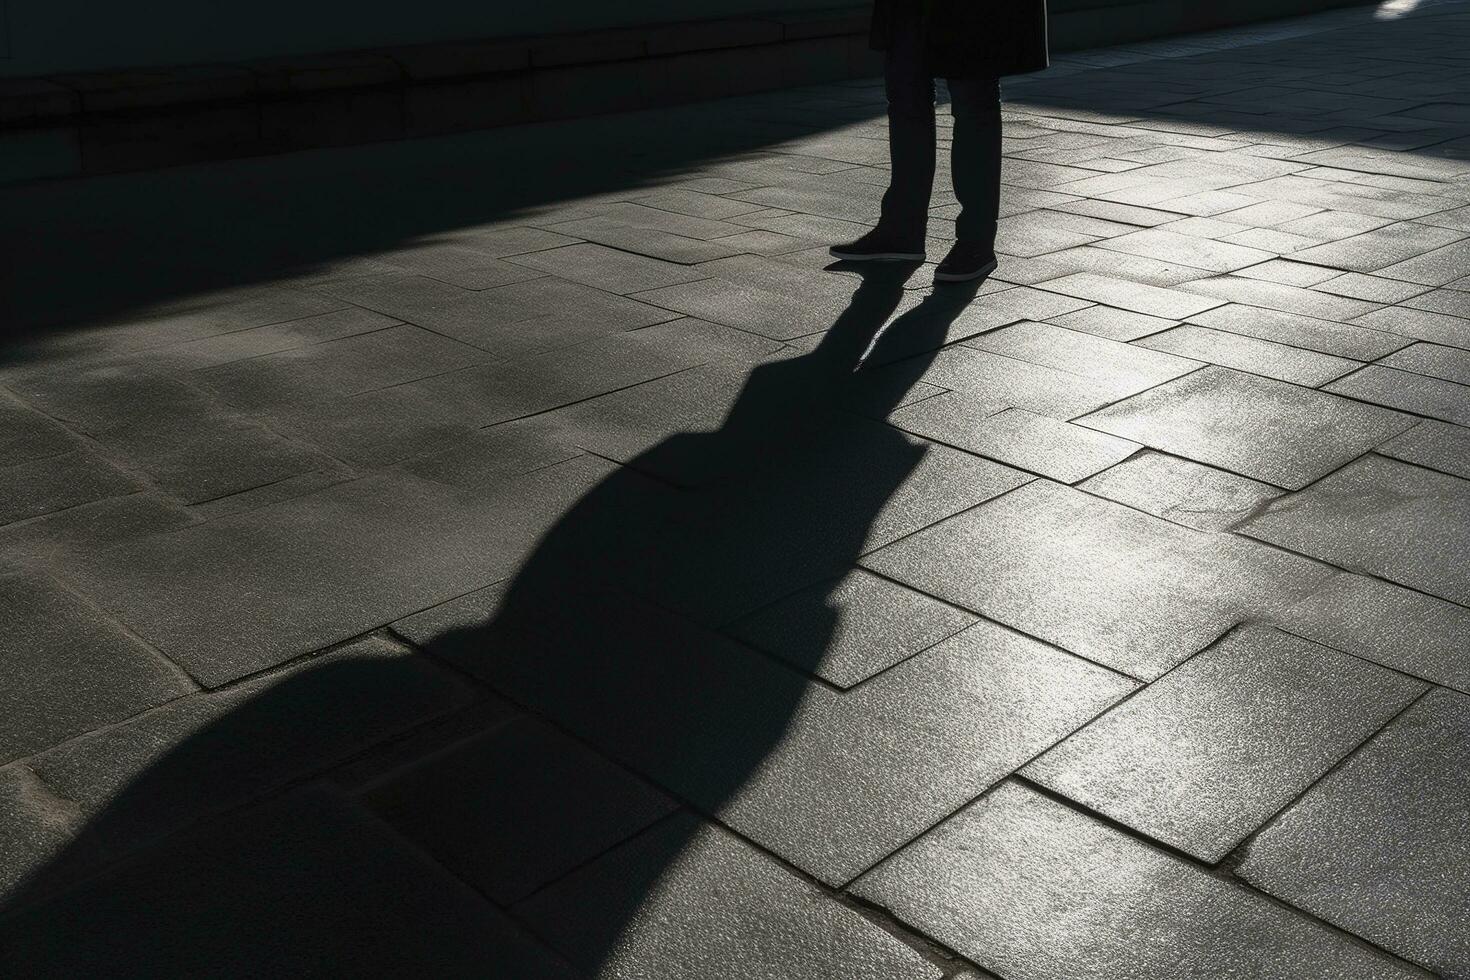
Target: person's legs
(975, 158)
(911, 135)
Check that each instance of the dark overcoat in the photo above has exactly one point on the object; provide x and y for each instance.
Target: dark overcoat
(964, 38)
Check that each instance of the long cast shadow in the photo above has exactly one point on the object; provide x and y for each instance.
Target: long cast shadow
(607, 630)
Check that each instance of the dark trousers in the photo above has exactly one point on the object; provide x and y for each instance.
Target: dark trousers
(974, 156)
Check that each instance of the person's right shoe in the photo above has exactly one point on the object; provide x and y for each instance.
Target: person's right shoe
(881, 245)
(966, 261)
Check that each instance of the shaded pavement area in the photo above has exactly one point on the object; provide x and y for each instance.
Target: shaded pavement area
(526, 554)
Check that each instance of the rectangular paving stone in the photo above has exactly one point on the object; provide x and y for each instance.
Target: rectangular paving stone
(1374, 289)
(1058, 450)
(1276, 296)
(607, 269)
(1123, 369)
(1295, 330)
(1293, 364)
(1436, 268)
(514, 809)
(1031, 889)
(1449, 363)
(1112, 323)
(1437, 445)
(1400, 522)
(1454, 302)
(307, 880)
(746, 307)
(647, 214)
(1138, 297)
(340, 368)
(1044, 559)
(55, 483)
(26, 434)
(507, 390)
(1205, 755)
(709, 906)
(37, 827)
(995, 382)
(1397, 627)
(1289, 273)
(237, 595)
(69, 669)
(1181, 491)
(831, 781)
(137, 782)
(1438, 328)
(878, 624)
(1377, 847)
(1267, 430)
(1202, 253)
(90, 527)
(1379, 248)
(527, 317)
(1332, 226)
(1415, 393)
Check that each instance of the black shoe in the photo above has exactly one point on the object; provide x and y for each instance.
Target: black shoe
(966, 261)
(880, 245)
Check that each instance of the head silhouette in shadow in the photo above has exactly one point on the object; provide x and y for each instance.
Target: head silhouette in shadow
(615, 629)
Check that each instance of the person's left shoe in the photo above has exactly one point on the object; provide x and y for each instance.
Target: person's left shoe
(966, 261)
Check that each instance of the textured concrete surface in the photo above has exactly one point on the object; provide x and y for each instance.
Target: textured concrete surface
(527, 554)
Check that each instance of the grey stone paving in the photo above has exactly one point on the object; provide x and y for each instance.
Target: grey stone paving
(527, 554)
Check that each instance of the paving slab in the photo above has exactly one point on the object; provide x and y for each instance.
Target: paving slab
(1201, 253)
(1122, 369)
(1409, 392)
(69, 669)
(56, 483)
(1409, 631)
(1288, 273)
(1202, 757)
(26, 434)
(298, 582)
(1404, 523)
(1137, 297)
(1035, 443)
(1030, 888)
(1042, 559)
(1113, 323)
(878, 624)
(711, 907)
(1182, 491)
(829, 781)
(1276, 296)
(380, 359)
(1434, 360)
(517, 808)
(1380, 248)
(1252, 355)
(1436, 445)
(137, 782)
(308, 880)
(1436, 268)
(1374, 289)
(1439, 328)
(1264, 429)
(1359, 343)
(1378, 847)
(88, 527)
(607, 269)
